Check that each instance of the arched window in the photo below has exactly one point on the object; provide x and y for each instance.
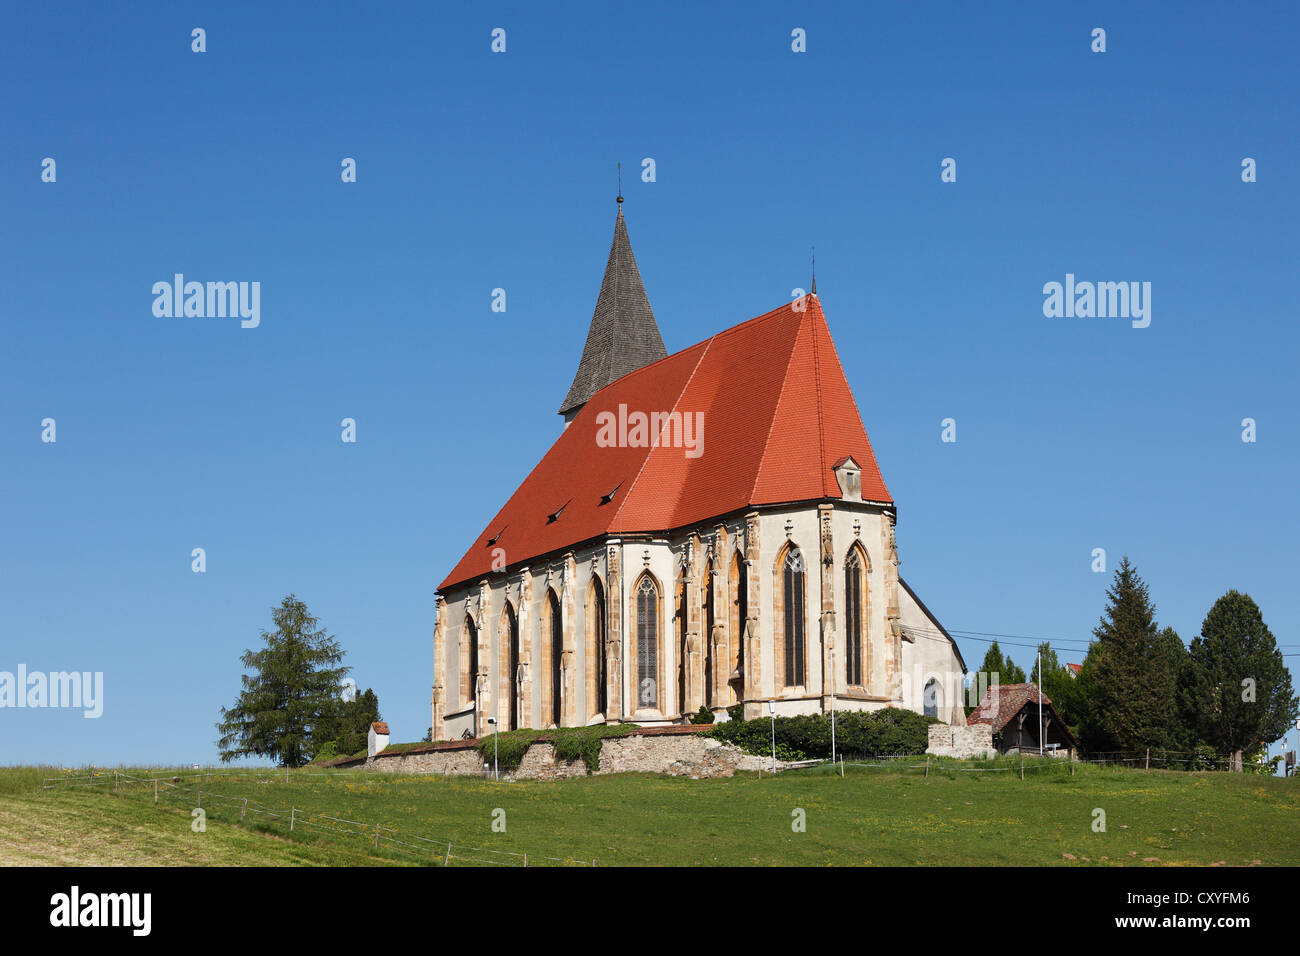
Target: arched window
(739, 587)
(792, 593)
(932, 698)
(597, 668)
(469, 686)
(508, 643)
(647, 644)
(707, 638)
(557, 659)
(855, 586)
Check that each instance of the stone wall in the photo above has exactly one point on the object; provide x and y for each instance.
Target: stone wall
(973, 740)
(677, 754)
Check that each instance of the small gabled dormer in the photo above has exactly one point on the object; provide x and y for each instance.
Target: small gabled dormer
(849, 474)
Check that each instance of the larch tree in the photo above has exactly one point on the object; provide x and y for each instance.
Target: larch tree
(295, 679)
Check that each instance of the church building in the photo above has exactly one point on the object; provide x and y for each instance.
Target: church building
(711, 528)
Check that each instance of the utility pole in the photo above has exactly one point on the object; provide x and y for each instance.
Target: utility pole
(1040, 702)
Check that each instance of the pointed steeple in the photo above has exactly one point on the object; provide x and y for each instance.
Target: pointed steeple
(624, 335)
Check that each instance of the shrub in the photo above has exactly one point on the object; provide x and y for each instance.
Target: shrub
(571, 743)
(705, 716)
(583, 743)
(510, 747)
(857, 733)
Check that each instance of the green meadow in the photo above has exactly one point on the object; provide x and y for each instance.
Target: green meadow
(880, 815)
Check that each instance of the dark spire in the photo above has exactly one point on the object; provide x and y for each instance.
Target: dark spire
(814, 270)
(624, 335)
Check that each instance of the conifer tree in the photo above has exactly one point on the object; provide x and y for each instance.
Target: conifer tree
(995, 662)
(1132, 682)
(295, 679)
(1237, 687)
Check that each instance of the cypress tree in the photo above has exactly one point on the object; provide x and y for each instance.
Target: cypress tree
(1238, 689)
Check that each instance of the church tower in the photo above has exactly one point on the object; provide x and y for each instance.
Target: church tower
(623, 336)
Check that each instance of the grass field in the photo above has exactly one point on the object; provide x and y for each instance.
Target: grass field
(890, 815)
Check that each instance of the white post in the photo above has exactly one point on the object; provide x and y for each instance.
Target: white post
(771, 709)
(1040, 702)
(832, 706)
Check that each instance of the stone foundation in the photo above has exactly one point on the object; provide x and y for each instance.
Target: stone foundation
(677, 754)
(973, 740)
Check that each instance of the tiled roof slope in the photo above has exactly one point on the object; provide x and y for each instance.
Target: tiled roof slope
(1003, 702)
(624, 335)
(777, 414)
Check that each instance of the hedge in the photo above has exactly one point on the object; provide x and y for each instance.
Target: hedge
(857, 734)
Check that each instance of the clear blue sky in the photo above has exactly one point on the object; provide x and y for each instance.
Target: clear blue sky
(478, 171)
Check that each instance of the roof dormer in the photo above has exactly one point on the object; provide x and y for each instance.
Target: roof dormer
(849, 475)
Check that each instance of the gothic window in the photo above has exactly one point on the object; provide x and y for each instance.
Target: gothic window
(739, 587)
(792, 592)
(709, 664)
(854, 588)
(647, 644)
(597, 669)
(557, 659)
(471, 653)
(508, 641)
(932, 698)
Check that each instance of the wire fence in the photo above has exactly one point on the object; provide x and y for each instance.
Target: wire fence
(1032, 762)
(429, 850)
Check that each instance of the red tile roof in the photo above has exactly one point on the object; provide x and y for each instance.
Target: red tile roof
(380, 727)
(777, 413)
(1004, 701)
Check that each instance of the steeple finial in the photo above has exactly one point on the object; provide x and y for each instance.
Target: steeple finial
(814, 270)
(620, 184)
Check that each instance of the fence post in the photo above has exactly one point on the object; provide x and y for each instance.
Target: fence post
(525, 859)
(243, 807)
(1071, 763)
(927, 766)
(115, 785)
(1022, 766)
(1148, 758)
(293, 813)
(200, 793)
(446, 860)
(155, 789)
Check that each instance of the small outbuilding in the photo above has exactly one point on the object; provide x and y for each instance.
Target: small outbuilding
(1014, 714)
(377, 738)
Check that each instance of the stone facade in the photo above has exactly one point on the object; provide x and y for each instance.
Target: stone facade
(738, 661)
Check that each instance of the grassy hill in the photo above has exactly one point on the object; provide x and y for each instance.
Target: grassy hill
(890, 815)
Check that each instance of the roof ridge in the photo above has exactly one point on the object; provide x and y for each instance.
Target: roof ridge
(821, 417)
(857, 411)
(771, 425)
(708, 344)
(694, 345)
